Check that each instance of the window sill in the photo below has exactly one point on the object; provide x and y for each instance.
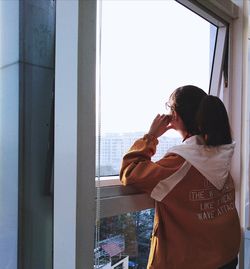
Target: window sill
(112, 187)
(116, 199)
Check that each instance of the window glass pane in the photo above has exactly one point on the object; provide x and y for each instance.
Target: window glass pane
(125, 240)
(148, 49)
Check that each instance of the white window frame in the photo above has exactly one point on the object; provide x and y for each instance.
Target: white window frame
(237, 99)
(74, 190)
(74, 160)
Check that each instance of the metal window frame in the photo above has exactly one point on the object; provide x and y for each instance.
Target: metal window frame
(65, 152)
(216, 12)
(74, 159)
(218, 61)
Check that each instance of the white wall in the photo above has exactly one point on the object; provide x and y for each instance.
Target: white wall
(9, 99)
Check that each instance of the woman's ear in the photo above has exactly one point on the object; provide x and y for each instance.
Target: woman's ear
(173, 121)
(175, 116)
(177, 122)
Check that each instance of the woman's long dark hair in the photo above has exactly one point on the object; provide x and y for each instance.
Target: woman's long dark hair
(202, 114)
(213, 121)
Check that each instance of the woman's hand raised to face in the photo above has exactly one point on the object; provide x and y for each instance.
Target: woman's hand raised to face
(160, 125)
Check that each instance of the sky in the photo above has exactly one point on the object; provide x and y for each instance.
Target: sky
(148, 49)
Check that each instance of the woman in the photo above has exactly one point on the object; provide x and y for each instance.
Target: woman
(196, 224)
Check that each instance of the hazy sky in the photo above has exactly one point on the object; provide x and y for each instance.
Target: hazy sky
(148, 48)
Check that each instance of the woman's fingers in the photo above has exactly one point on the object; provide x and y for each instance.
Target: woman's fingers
(160, 125)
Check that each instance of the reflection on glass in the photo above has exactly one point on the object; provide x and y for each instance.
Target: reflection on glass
(147, 49)
(125, 241)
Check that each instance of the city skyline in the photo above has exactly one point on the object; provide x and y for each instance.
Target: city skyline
(113, 146)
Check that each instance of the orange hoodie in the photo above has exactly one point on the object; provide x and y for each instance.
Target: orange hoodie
(196, 224)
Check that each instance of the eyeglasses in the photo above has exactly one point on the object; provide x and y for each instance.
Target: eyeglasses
(170, 108)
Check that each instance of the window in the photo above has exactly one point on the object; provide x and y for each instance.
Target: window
(76, 126)
(142, 60)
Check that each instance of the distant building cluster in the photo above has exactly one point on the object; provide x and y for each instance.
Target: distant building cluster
(114, 145)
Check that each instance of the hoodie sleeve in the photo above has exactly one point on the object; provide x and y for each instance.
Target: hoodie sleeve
(138, 170)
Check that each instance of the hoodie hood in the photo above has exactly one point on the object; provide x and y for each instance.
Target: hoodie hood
(212, 162)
